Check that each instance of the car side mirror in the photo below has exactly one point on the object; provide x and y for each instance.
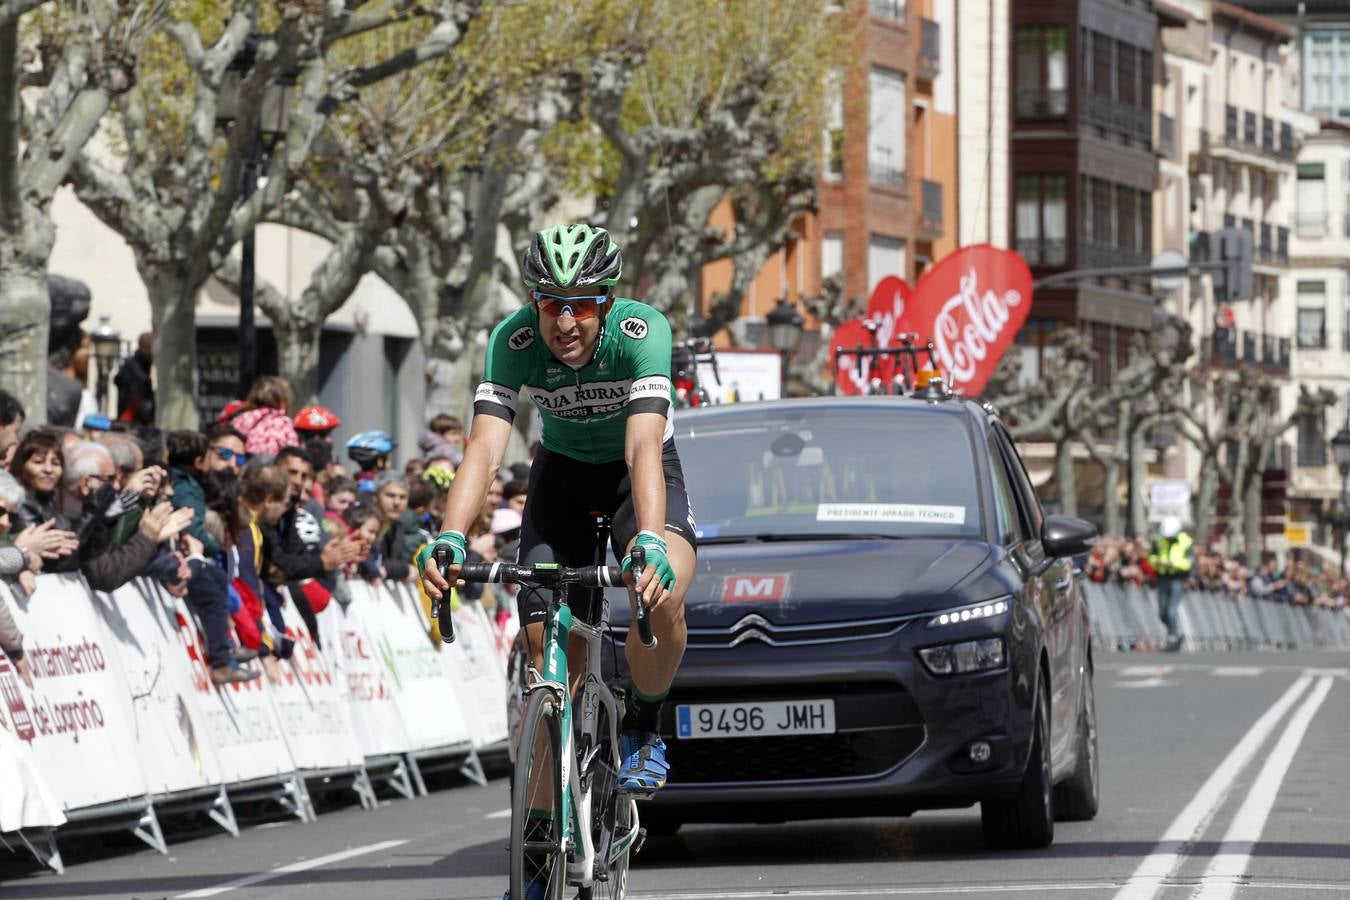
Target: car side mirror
(1063, 536)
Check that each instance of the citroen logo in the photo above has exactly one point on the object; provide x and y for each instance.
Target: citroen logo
(749, 628)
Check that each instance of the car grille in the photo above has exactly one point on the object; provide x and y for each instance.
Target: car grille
(879, 724)
(754, 627)
(803, 758)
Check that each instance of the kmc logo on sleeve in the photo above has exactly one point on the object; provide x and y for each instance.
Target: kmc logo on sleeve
(521, 338)
(635, 327)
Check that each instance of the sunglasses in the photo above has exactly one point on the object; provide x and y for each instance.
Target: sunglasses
(578, 307)
(5, 513)
(227, 454)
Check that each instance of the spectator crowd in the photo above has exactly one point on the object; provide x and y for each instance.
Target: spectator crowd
(226, 517)
(1118, 559)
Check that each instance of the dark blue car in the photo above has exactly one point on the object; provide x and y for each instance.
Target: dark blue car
(883, 620)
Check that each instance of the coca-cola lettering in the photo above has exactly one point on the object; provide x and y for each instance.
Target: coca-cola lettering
(967, 325)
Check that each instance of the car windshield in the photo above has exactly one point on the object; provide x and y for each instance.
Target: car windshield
(829, 472)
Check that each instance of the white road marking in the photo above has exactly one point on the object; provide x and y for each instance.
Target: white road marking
(1230, 862)
(940, 890)
(1191, 822)
(1146, 683)
(1144, 671)
(302, 866)
(499, 814)
(1133, 670)
(1238, 671)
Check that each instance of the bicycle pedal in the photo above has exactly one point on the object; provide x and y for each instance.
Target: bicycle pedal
(639, 841)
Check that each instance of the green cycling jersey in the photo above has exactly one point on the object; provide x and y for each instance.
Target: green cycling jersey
(584, 410)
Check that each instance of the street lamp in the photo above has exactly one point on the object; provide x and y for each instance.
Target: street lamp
(1340, 451)
(785, 332)
(269, 127)
(107, 342)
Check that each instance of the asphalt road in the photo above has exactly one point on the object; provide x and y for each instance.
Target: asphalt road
(1223, 776)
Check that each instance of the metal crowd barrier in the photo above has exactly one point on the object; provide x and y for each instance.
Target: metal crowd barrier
(1125, 618)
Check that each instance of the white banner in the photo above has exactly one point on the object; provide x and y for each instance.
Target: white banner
(26, 801)
(314, 718)
(474, 667)
(428, 702)
(365, 683)
(169, 727)
(77, 720)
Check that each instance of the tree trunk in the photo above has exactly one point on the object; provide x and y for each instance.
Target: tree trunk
(1252, 524)
(1064, 474)
(173, 314)
(25, 311)
(1138, 477)
(298, 359)
(1204, 496)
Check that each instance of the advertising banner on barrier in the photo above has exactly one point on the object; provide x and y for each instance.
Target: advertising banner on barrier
(168, 728)
(240, 723)
(25, 801)
(428, 703)
(366, 685)
(315, 720)
(77, 720)
(474, 668)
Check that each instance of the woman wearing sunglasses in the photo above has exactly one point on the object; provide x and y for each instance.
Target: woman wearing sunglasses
(597, 367)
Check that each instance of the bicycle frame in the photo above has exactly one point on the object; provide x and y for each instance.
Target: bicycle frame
(577, 800)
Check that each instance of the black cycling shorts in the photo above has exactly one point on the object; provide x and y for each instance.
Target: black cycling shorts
(558, 525)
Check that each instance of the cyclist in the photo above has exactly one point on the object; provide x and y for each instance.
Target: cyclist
(598, 368)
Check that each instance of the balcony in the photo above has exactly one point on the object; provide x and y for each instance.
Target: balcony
(1100, 255)
(930, 50)
(930, 215)
(888, 9)
(1287, 148)
(1249, 129)
(1265, 245)
(1231, 348)
(1036, 103)
(882, 171)
(1230, 123)
(1107, 113)
(1275, 354)
(1246, 131)
(1167, 145)
(1282, 245)
(1249, 356)
(1268, 135)
(1311, 223)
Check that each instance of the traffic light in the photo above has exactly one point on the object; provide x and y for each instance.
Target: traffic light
(1232, 247)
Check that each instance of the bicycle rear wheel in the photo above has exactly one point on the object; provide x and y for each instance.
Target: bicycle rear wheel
(537, 853)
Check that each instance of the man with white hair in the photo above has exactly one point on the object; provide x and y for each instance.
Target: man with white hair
(106, 563)
(1171, 559)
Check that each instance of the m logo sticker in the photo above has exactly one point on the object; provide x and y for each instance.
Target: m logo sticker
(521, 338)
(634, 327)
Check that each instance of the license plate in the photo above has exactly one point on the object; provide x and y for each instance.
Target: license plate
(765, 718)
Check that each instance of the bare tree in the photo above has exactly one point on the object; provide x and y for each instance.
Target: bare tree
(176, 199)
(60, 69)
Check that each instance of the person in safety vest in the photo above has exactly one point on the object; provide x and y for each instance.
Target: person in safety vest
(1171, 559)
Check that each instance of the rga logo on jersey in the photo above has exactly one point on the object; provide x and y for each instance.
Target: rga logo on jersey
(521, 338)
(634, 327)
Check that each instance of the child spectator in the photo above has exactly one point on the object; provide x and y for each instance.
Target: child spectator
(263, 419)
(265, 499)
(339, 496)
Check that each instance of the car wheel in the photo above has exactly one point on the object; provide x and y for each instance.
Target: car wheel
(1027, 819)
(1077, 797)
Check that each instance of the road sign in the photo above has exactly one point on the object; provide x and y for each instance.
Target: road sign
(1170, 259)
(1169, 498)
(1297, 534)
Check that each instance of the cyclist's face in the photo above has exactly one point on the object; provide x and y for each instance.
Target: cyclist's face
(570, 339)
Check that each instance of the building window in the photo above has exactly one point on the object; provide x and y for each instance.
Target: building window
(1042, 72)
(885, 256)
(831, 254)
(886, 134)
(1312, 440)
(1312, 314)
(888, 9)
(1042, 219)
(833, 138)
(1310, 219)
(1326, 72)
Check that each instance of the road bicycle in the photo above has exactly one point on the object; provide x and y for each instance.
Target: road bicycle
(569, 823)
(904, 356)
(684, 360)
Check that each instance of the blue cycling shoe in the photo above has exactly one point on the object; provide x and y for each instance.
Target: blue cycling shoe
(534, 892)
(643, 757)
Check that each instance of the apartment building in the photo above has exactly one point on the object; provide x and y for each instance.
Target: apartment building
(887, 189)
(1083, 166)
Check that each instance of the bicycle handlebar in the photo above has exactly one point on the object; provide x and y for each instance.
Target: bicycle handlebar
(542, 574)
(643, 622)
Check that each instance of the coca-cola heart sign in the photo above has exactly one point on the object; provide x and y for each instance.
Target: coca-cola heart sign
(971, 304)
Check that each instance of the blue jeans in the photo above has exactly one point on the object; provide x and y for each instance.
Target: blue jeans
(1169, 601)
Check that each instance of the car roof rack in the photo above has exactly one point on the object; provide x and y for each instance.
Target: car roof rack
(910, 379)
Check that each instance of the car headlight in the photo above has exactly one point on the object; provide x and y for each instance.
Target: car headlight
(987, 610)
(964, 657)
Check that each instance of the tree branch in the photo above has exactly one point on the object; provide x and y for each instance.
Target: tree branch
(11, 126)
(11, 10)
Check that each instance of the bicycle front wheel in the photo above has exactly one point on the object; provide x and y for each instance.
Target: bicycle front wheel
(537, 853)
